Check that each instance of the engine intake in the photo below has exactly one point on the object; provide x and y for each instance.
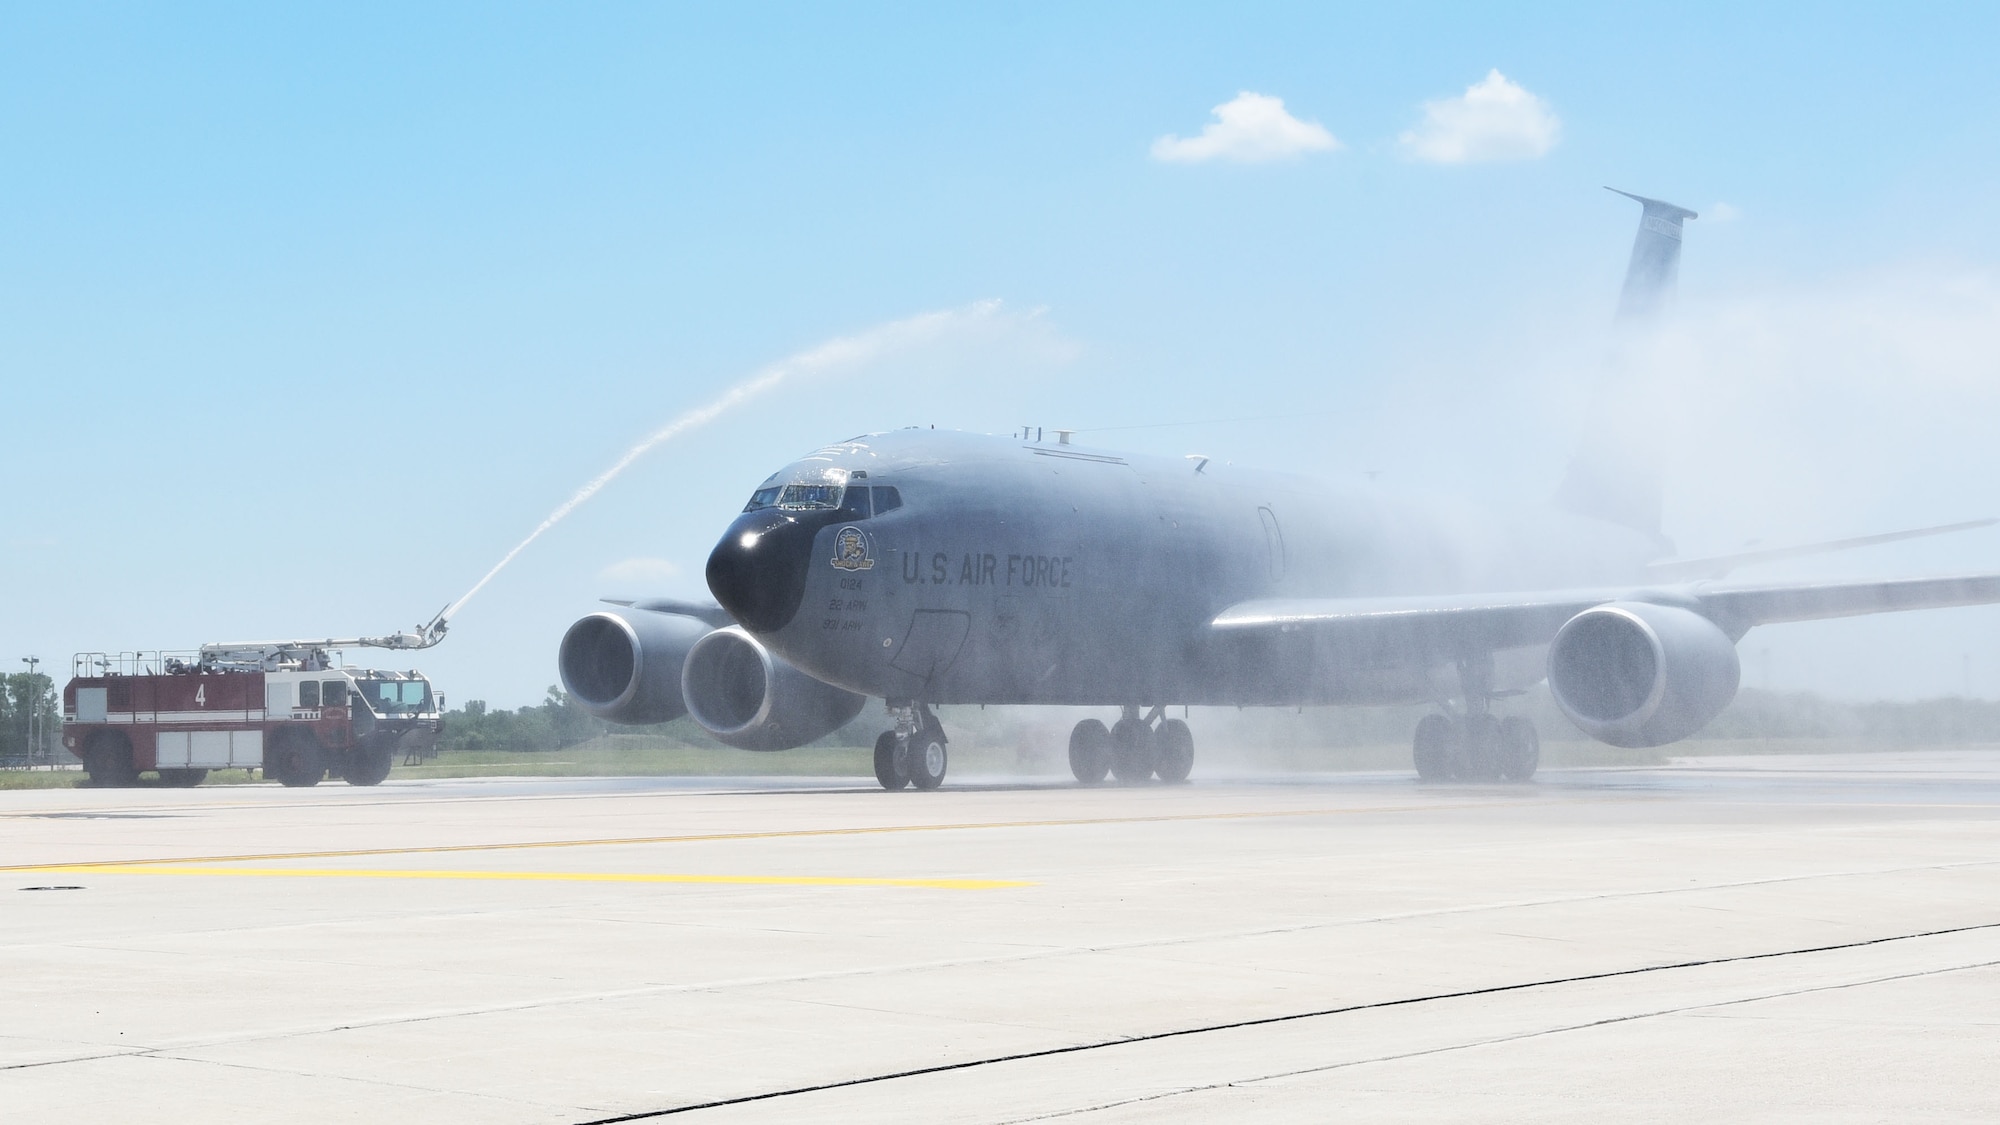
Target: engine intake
(626, 667)
(1635, 674)
(745, 696)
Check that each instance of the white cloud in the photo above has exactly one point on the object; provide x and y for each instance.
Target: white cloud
(639, 571)
(1248, 128)
(1494, 120)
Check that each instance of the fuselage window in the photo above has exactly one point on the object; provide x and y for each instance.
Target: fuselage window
(887, 499)
(309, 693)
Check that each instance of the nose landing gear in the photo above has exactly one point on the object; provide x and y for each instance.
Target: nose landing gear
(1133, 749)
(913, 751)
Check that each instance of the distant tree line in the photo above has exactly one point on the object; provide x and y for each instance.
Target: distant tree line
(554, 723)
(1787, 714)
(25, 696)
(557, 722)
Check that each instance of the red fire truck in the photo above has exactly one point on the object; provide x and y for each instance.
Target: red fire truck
(285, 707)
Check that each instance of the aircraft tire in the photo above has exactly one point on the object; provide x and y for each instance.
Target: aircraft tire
(888, 770)
(1134, 751)
(1478, 757)
(1520, 749)
(1089, 751)
(368, 765)
(183, 779)
(1432, 748)
(928, 759)
(1176, 752)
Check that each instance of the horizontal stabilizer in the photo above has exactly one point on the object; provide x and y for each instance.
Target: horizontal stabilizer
(1717, 566)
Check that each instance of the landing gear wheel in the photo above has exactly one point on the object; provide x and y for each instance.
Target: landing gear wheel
(108, 758)
(1519, 751)
(1089, 751)
(1432, 748)
(368, 766)
(1132, 751)
(1176, 752)
(927, 758)
(889, 762)
(183, 779)
(1478, 757)
(295, 761)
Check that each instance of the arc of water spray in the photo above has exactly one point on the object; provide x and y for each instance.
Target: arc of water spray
(842, 351)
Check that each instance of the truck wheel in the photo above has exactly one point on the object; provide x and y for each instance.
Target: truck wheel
(368, 766)
(295, 760)
(182, 779)
(107, 757)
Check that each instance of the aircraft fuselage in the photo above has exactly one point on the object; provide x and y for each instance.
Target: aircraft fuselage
(979, 569)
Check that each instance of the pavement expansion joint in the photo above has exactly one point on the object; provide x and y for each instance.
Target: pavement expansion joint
(1400, 1002)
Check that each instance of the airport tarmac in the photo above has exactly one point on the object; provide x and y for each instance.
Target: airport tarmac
(1772, 938)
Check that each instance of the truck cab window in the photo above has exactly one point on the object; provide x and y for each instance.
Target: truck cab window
(334, 693)
(309, 693)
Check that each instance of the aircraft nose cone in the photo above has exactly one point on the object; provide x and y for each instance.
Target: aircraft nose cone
(758, 571)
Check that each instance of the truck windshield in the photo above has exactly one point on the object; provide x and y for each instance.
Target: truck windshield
(395, 697)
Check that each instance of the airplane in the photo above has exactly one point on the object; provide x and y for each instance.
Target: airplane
(926, 567)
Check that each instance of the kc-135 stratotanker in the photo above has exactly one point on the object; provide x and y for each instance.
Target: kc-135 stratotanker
(925, 567)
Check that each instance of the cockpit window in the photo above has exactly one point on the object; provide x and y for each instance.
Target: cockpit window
(816, 489)
(887, 499)
(810, 497)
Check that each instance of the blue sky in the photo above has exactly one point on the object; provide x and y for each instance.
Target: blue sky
(307, 314)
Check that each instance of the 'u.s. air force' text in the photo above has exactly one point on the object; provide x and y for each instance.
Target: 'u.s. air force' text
(986, 570)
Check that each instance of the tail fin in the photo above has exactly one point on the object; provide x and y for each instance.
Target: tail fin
(1615, 475)
(1656, 258)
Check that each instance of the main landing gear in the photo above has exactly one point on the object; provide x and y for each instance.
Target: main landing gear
(913, 751)
(1132, 749)
(1476, 747)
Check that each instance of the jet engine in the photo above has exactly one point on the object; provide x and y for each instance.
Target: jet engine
(1634, 674)
(626, 667)
(745, 696)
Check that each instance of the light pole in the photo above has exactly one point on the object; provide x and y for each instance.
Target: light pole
(34, 695)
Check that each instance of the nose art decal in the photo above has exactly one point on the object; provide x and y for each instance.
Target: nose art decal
(852, 551)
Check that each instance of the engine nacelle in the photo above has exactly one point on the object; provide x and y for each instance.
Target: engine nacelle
(745, 696)
(1634, 674)
(626, 667)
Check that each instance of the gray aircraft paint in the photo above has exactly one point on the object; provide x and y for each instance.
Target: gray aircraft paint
(1032, 572)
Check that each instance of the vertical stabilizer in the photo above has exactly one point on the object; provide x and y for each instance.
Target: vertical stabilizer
(1615, 475)
(1656, 258)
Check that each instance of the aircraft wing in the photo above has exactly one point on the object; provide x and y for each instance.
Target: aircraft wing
(714, 614)
(1458, 622)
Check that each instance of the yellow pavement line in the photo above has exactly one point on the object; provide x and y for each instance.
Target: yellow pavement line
(537, 876)
(796, 833)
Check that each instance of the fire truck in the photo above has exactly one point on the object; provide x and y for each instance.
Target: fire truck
(287, 708)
